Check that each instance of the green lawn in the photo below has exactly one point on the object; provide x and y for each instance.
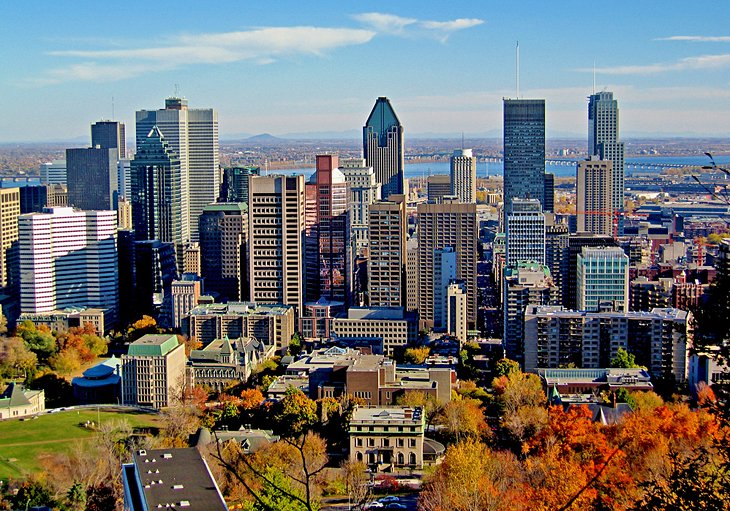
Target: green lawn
(24, 444)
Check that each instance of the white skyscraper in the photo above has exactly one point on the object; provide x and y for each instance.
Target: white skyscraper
(68, 259)
(525, 232)
(464, 176)
(602, 278)
(193, 135)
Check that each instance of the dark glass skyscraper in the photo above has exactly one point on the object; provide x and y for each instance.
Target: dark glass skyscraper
(91, 174)
(223, 234)
(524, 151)
(382, 138)
(234, 187)
(110, 135)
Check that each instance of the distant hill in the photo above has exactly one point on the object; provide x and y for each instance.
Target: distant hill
(265, 137)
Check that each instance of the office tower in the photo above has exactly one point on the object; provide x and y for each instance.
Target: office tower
(185, 295)
(110, 135)
(387, 262)
(602, 279)
(124, 215)
(659, 339)
(33, 198)
(456, 311)
(525, 283)
(549, 204)
(328, 256)
(444, 274)
(383, 147)
(412, 273)
(524, 151)
(193, 136)
(449, 224)
(92, 178)
(364, 190)
(191, 258)
(68, 259)
(56, 196)
(594, 191)
(53, 173)
(576, 242)
(276, 241)
(223, 236)
(234, 187)
(438, 187)
(525, 231)
(154, 371)
(9, 213)
(556, 254)
(158, 190)
(464, 176)
(124, 177)
(603, 141)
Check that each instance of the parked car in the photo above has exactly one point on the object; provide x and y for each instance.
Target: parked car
(375, 505)
(395, 505)
(389, 498)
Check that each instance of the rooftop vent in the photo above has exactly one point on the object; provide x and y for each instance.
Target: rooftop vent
(177, 486)
(142, 452)
(167, 455)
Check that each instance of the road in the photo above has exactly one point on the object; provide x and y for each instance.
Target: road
(339, 504)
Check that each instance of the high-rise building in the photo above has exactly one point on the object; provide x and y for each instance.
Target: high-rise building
(525, 283)
(9, 213)
(576, 242)
(525, 231)
(602, 279)
(185, 295)
(53, 172)
(524, 151)
(328, 255)
(68, 259)
(33, 198)
(464, 176)
(124, 177)
(124, 215)
(549, 204)
(603, 141)
(594, 191)
(437, 187)
(556, 253)
(449, 224)
(223, 237)
(193, 136)
(92, 179)
(444, 274)
(456, 311)
(364, 190)
(234, 187)
(158, 190)
(387, 262)
(110, 135)
(412, 273)
(383, 147)
(276, 241)
(154, 371)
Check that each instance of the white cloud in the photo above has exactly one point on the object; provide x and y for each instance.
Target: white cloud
(696, 38)
(398, 25)
(686, 64)
(261, 46)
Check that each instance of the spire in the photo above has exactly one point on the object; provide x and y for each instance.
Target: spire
(555, 398)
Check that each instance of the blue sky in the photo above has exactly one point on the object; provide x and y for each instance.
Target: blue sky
(291, 66)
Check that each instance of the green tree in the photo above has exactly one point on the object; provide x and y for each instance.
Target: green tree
(505, 367)
(76, 496)
(39, 340)
(295, 344)
(295, 413)
(33, 493)
(624, 360)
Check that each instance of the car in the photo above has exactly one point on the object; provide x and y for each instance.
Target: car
(375, 505)
(395, 505)
(389, 498)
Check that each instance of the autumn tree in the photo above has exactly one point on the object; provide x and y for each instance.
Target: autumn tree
(66, 361)
(431, 406)
(295, 413)
(416, 355)
(15, 357)
(357, 482)
(521, 403)
(39, 340)
(505, 367)
(463, 418)
(251, 399)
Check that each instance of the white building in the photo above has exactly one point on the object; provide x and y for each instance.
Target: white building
(53, 172)
(464, 176)
(602, 279)
(364, 190)
(525, 231)
(68, 259)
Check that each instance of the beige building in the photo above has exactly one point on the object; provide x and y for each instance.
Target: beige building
(464, 176)
(412, 274)
(15, 402)
(270, 324)
(191, 259)
(456, 310)
(364, 190)
(449, 224)
(153, 371)
(387, 262)
(438, 187)
(276, 236)
(389, 327)
(9, 213)
(124, 215)
(185, 295)
(594, 194)
(388, 438)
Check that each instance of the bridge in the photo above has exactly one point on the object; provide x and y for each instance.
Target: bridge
(655, 166)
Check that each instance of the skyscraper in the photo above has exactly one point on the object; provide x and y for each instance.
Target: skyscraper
(449, 224)
(158, 209)
(193, 136)
(110, 135)
(234, 187)
(438, 186)
(603, 141)
(276, 238)
(464, 176)
(223, 237)
(364, 190)
(387, 262)
(525, 231)
(524, 151)
(594, 192)
(383, 147)
(68, 259)
(328, 255)
(9, 213)
(602, 279)
(92, 178)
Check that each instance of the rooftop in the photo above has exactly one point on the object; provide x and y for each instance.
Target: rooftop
(153, 345)
(387, 413)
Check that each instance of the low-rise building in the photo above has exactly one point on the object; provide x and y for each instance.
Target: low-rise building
(385, 328)
(16, 402)
(153, 371)
(589, 381)
(101, 383)
(223, 361)
(62, 320)
(387, 438)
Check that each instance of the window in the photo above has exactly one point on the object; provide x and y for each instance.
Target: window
(411, 442)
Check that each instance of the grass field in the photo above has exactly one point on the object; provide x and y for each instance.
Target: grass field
(24, 444)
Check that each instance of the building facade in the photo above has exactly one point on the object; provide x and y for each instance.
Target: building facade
(110, 135)
(525, 231)
(223, 234)
(234, 187)
(364, 190)
(464, 175)
(594, 196)
(9, 213)
(387, 257)
(383, 148)
(602, 279)
(92, 180)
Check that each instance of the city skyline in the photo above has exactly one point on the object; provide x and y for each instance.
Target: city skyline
(262, 69)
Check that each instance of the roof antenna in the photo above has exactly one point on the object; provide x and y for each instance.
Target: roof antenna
(112, 108)
(517, 68)
(594, 76)
(177, 90)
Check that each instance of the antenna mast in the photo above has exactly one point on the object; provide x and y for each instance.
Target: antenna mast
(112, 108)
(517, 68)
(594, 76)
